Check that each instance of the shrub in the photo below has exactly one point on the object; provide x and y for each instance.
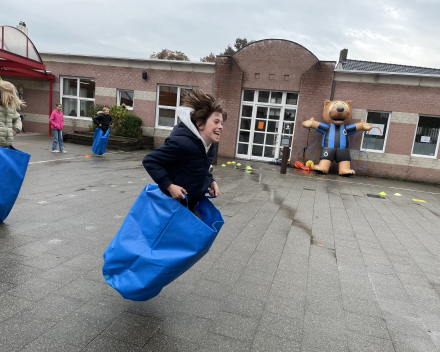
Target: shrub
(117, 113)
(130, 127)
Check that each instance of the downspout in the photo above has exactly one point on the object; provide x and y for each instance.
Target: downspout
(50, 103)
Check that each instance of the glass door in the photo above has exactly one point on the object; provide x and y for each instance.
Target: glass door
(267, 121)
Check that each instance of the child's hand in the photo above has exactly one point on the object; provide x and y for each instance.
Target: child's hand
(176, 191)
(214, 189)
(14, 132)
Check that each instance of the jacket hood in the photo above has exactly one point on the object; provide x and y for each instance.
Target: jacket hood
(184, 115)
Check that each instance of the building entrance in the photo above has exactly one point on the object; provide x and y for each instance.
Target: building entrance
(267, 121)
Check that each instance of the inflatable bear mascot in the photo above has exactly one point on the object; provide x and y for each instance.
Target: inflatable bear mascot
(335, 142)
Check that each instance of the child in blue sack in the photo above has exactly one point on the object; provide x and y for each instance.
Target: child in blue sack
(181, 165)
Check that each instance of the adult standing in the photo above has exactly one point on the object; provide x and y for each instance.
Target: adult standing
(57, 124)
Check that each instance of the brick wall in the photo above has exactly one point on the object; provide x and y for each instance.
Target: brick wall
(405, 103)
(273, 65)
(279, 64)
(316, 85)
(108, 80)
(227, 87)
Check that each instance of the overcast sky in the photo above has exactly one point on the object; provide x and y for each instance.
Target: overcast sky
(403, 32)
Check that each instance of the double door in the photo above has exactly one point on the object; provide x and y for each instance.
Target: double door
(264, 130)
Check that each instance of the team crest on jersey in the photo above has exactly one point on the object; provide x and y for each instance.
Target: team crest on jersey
(345, 131)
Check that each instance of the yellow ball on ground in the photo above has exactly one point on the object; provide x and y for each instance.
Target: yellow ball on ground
(310, 163)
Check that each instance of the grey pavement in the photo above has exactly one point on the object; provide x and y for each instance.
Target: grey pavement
(303, 263)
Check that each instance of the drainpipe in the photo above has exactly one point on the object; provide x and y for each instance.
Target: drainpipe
(50, 103)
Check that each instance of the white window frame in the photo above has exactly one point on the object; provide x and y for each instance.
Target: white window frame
(386, 136)
(77, 97)
(414, 141)
(118, 97)
(168, 107)
(282, 106)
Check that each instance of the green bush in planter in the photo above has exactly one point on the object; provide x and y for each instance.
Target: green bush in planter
(130, 127)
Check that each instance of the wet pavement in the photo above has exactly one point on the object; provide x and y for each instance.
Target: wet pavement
(303, 263)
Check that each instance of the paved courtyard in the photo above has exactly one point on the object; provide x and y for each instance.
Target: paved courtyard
(303, 263)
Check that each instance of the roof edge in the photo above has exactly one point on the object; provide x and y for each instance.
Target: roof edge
(384, 73)
(132, 59)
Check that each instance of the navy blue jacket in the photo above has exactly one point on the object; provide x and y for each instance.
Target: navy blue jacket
(182, 160)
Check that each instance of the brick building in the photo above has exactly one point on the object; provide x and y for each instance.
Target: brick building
(269, 88)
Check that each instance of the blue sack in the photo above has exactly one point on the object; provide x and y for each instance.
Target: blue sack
(13, 166)
(159, 240)
(100, 141)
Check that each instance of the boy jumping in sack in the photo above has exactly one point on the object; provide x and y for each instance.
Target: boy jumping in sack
(181, 165)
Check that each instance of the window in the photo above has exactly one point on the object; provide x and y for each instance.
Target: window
(168, 99)
(267, 121)
(379, 120)
(126, 97)
(77, 96)
(426, 139)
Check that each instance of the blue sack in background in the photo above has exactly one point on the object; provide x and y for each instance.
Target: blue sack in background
(159, 240)
(13, 166)
(100, 141)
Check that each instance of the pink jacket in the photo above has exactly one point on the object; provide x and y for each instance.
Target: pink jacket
(56, 120)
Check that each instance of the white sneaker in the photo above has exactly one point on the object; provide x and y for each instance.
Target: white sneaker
(55, 151)
(63, 151)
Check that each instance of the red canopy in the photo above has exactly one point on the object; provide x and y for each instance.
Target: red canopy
(19, 57)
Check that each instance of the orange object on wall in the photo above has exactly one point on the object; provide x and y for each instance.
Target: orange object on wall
(261, 125)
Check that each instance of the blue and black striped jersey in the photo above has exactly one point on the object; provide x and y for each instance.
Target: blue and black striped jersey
(336, 136)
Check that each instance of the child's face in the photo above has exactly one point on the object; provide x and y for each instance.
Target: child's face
(59, 107)
(212, 129)
(106, 111)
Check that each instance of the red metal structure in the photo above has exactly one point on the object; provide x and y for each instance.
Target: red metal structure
(19, 57)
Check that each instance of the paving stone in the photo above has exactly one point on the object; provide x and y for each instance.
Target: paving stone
(220, 343)
(281, 325)
(132, 328)
(367, 325)
(242, 305)
(251, 290)
(158, 307)
(81, 329)
(234, 326)
(266, 342)
(35, 289)
(365, 343)
(163, 343)
(11, 305)
(185, 326)
(44, 344)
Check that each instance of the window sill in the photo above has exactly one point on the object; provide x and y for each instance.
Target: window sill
(424, 156)
(164, 128)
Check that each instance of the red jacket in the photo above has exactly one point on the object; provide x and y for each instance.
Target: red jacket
(56, 120)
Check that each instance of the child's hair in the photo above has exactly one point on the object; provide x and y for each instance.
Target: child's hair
(105, 107)
(204, 106)
(9, 97)
(58, 104)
